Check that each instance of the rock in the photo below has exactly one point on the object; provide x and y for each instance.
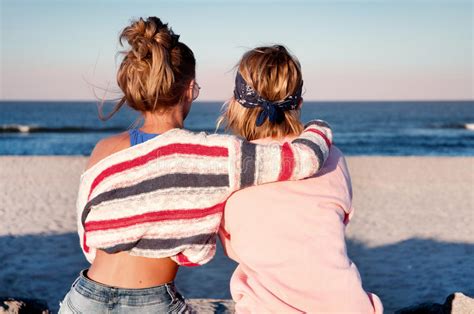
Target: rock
(456, 303)
(20, 306)
(206, 306)
(33, 306)
(460, 303)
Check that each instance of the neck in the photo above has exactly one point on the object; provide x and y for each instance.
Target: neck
(155, 122)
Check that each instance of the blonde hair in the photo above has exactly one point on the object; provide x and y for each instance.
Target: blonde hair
(274, 74)
(156, 69)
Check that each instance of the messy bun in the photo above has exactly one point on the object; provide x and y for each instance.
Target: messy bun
(156, 69)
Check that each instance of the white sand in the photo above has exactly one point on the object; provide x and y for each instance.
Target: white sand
(412, 236)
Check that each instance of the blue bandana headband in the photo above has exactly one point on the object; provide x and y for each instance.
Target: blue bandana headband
(249, 98)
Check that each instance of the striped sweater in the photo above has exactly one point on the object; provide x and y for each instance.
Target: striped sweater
(165, 197)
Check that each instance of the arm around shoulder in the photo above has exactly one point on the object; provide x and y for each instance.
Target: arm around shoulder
(263, 163)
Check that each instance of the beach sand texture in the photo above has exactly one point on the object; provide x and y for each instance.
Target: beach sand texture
(412, 236)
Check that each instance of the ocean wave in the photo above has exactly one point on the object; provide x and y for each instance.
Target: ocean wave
(467, 126)
(20, 128)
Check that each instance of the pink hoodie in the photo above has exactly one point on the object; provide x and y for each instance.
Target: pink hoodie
(288, 238)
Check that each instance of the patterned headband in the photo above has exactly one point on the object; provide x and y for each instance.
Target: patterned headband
(249, 98)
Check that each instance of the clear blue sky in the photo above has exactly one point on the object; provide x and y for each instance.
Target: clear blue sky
(349, 50)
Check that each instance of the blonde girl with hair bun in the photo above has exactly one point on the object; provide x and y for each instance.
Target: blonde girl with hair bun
(287, 237)
(151, 198)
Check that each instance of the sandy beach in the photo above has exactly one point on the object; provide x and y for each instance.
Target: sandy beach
(412, 236)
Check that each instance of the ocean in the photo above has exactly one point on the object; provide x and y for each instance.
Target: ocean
(387, 128)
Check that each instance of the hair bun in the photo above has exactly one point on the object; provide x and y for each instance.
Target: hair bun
(157, 68)
(161, 33)
(141, 35)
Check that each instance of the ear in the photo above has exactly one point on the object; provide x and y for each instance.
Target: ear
(189, 91)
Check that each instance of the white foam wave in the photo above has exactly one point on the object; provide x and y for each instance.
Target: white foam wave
(469, 126)
(21, 128)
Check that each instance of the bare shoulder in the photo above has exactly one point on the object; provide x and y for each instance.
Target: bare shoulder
(107, 146)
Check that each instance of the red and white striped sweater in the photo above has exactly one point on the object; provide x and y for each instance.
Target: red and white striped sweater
(165, 197)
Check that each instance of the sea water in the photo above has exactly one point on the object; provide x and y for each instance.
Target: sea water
(435, 128)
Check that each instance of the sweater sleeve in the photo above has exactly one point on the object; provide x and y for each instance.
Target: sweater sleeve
(264, 163)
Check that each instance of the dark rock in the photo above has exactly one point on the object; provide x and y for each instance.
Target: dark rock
(23, 306)
(424, 308)
(208, 306)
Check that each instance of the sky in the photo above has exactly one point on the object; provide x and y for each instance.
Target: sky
(349, 50)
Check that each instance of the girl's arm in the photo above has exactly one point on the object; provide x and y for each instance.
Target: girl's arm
(299, 159)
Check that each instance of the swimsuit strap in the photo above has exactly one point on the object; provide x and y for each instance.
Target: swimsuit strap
(137, 136)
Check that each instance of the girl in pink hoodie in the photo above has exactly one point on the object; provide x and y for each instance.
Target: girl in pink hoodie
(288, 237)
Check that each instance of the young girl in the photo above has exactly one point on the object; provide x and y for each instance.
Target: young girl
(152, 198)
(288, 237)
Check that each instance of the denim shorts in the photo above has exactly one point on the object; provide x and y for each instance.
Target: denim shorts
(88, 296)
